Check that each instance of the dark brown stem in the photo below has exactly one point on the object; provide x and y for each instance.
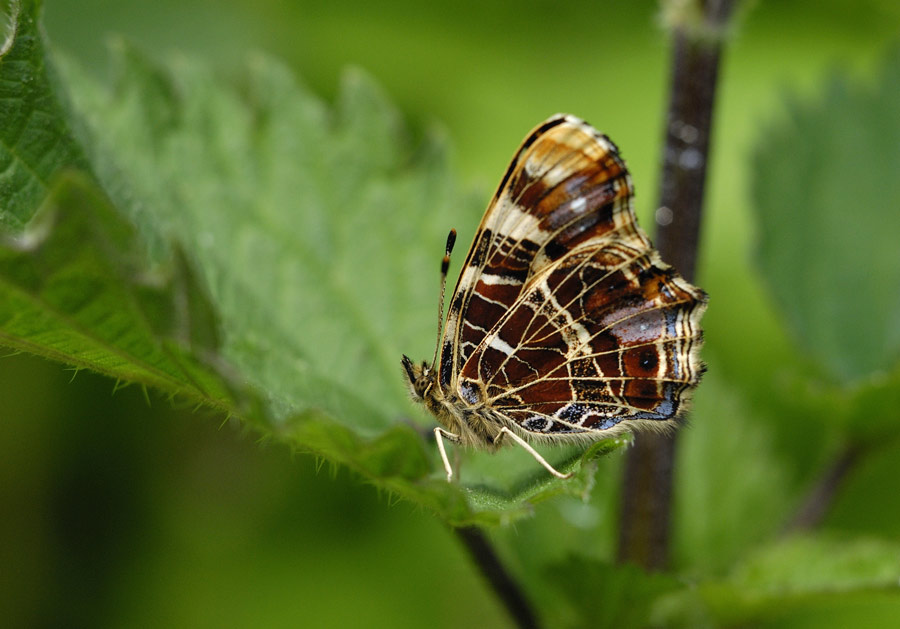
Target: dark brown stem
(647, 484)
(820, 498)
(501, 581)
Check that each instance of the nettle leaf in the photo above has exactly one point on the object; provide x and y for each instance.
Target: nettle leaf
(827, 198)
(820, 563)
(604, 595)
(72, 289)
(822, 578)
(35, 140)
(241, 244)
(794, 578)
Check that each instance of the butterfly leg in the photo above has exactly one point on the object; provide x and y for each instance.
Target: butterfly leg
(531, 451)
(440, 434)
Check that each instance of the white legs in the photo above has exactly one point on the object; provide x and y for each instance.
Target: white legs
(440, 434)
(531, 451)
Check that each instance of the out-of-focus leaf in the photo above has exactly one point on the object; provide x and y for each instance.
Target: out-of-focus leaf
(604, 595)
(827, 198)
(733, 488)
(820, 563)
(795, 578)
(73, 288)
(241, 244)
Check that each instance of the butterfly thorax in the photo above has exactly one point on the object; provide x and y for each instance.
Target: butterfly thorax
(475, 425)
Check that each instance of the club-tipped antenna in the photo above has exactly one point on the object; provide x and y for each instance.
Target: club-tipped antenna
(445, 265)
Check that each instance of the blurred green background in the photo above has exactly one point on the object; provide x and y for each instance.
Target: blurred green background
(117, 512)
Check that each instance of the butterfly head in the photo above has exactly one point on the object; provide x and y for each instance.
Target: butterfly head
(421, 378)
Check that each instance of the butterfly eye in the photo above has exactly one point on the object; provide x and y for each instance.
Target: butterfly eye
(425, 379)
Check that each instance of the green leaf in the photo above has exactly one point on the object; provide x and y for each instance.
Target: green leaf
(241, 244)
(820, 563)
(827, 199)
(72, 288)
(603, 595)
(793, 578)
(36, 142)
(797, 580)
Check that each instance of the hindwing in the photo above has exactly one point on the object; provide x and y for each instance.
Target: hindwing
(607, 333)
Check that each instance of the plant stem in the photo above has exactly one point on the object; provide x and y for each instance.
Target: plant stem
(647, 484)
(820, 498)
(501, 581)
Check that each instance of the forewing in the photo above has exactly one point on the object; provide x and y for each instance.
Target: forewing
(566, 187)
(608, 333)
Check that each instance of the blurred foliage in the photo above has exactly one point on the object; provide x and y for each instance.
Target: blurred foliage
(609, 596)
(828, 247)
(787, 576)
(118, 513)
(161, 160)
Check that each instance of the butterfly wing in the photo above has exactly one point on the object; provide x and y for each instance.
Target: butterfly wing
(566, 187)
(607, 333)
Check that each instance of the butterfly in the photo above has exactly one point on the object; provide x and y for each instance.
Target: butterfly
(565, 324)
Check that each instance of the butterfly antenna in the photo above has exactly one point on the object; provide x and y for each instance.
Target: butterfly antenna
(445, 265)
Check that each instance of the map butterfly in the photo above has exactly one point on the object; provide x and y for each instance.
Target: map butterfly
(565, 324)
